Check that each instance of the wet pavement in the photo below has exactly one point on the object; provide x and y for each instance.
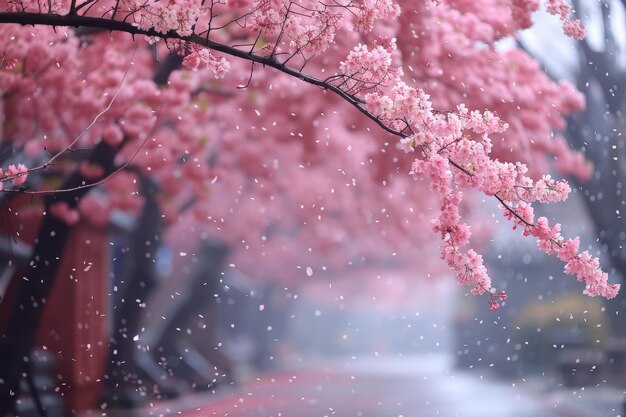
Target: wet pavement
(384, 387)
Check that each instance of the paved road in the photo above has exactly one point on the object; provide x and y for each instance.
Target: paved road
(408, 387)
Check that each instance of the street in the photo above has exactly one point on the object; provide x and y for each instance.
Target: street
(382, 387)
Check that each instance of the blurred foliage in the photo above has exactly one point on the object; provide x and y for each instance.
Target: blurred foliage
(569, 321)
(570, 311)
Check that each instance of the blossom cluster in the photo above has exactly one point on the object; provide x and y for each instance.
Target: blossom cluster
(454, 152)
(585, 267)
(306, 28)
(272, 17)
(366, 69)
(201, 58)
(442, 139)
(468, 265)
(178, 16)
(372, 10)
(268, 16)
(561, 8)
(16, 174)
(523, 9)
(313, 34)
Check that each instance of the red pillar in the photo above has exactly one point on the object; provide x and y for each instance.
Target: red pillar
(75, 325)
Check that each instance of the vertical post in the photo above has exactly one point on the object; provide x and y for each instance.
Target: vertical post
(75, 322)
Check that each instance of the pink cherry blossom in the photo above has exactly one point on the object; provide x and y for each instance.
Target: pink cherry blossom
(464, 113)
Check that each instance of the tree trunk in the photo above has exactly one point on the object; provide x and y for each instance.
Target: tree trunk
(36, 281)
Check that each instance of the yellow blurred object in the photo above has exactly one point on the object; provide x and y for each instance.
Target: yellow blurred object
(571, 311)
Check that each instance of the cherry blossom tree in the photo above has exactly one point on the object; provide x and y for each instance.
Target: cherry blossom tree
(429, 91)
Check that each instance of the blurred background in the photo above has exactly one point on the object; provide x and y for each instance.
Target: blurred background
(329, 298)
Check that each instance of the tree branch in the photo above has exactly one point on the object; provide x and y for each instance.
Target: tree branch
(116, 25)
(269, 61)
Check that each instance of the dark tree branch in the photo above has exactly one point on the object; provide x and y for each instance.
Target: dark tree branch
(115, 25)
